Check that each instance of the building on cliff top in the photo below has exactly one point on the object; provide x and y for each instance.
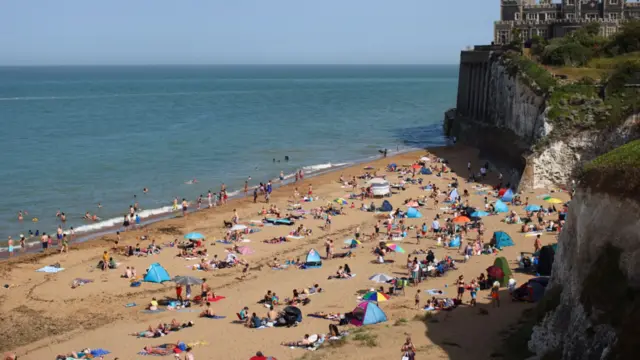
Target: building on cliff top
(551, 19)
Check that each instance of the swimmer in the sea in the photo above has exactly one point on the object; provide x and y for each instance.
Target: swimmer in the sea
(145, 190)
(58, 213)
(286, 158)
(87, 216)
(99, 206)
(63, 217)
(20, 216)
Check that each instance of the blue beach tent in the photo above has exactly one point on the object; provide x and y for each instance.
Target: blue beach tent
(501, 207)
(313, 260)
(501, 239)
(508, 196)
(455, 242)
(386, 206)
(157, 274)
(425, 171)
(413, 213)
(368, 313)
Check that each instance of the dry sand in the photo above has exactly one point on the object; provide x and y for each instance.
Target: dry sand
(42, 316)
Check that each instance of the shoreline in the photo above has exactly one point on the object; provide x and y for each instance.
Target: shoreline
(34, 246)
(101, 234)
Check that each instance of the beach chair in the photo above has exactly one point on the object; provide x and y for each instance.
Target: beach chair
(398, 287)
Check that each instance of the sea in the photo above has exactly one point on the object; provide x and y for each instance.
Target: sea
(75, 137)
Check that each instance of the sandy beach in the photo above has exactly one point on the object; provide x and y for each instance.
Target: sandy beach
(42, 316)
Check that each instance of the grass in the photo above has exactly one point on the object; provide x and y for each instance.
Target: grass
(401, 322)
(575, 74)
(616, 172)
(612, 62)
(534, 72)
(366, 338)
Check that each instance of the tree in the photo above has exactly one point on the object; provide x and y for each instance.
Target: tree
(627, 39)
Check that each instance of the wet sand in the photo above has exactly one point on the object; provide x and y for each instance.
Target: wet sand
(42, 316)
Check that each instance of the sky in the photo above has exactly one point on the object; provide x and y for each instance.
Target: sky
(138, 32)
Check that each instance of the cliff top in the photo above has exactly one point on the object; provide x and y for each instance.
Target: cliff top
(616, 172)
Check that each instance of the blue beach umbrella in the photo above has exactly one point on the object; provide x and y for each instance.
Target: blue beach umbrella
(532, 208)
(479, 214)
(194, 236)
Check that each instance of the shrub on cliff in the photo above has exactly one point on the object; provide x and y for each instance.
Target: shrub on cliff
(616, 172)
(572, 54)
(627, 40)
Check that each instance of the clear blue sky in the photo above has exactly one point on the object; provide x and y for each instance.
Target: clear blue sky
(45, 32)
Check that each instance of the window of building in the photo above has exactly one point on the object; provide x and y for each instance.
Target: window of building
(532, 16)
(571, 2)
(591, 16)
(543, 33)
(551, 16)
(570, 16)
(614, 16)
(516, 16)
(613, 2)
(503, 36)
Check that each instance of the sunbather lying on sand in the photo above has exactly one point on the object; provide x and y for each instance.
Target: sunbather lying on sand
(208, 312)
(324, 315)
(276, 240)
(305, 342)
(163, 329)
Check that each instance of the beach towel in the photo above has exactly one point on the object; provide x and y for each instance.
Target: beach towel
(153, 311)
(434, 292)
(224, 242)
(533, 233)
(347, 278)
(295, 237)
(50, 269)
(245, 240)
(187, 310)
(130, 305)
(214, 317)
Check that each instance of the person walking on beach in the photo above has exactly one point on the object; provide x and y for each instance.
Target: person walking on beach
(246, 188)
(175, 203)
(209, 197)
(23, 245)
(255, 195)
(199, 201)
(64, 248)
(408, 349)
(45, 241)
(185, 207)
(10, 244)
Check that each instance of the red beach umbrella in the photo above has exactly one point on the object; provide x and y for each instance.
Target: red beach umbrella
(495, 272)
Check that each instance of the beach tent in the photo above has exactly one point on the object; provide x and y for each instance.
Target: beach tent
(453, 195)
(501, 207)
(386, 206)
(508, 196)
(455, 242)
(545, 260)
(425, 171)
(501, 192)
(367, 313)
(157, 274)
(313, 260)
(379, 187)
(502, 263)
(413, 213)
(501, 239)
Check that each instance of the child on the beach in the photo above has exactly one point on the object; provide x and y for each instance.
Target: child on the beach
(418, 299)
(495, 294)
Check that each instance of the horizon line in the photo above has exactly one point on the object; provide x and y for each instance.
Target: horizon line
(140, 65)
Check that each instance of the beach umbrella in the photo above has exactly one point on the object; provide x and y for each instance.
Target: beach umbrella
(341, 201)
(396, 248)
(412, 204)
(245, 250)
(375, 296)
(194, 236)
(532, 208)
(554, 201)
(416, 166)
(479, 214)
(381, 278)
(495, 272)
(238, 227)
(425, 159)
(461, 220)
(187, 280)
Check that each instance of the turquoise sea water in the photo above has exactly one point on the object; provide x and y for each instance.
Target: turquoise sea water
(73, 137)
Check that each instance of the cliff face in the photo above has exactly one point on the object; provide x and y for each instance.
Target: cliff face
(514, 122)
(597, 268)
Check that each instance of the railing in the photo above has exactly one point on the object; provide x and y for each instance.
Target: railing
(543, 6)
(558, 21)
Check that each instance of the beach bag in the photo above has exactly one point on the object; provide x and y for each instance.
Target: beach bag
(409, 355)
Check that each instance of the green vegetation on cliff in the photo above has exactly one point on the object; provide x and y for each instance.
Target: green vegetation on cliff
(584, 76)
(616, 172)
